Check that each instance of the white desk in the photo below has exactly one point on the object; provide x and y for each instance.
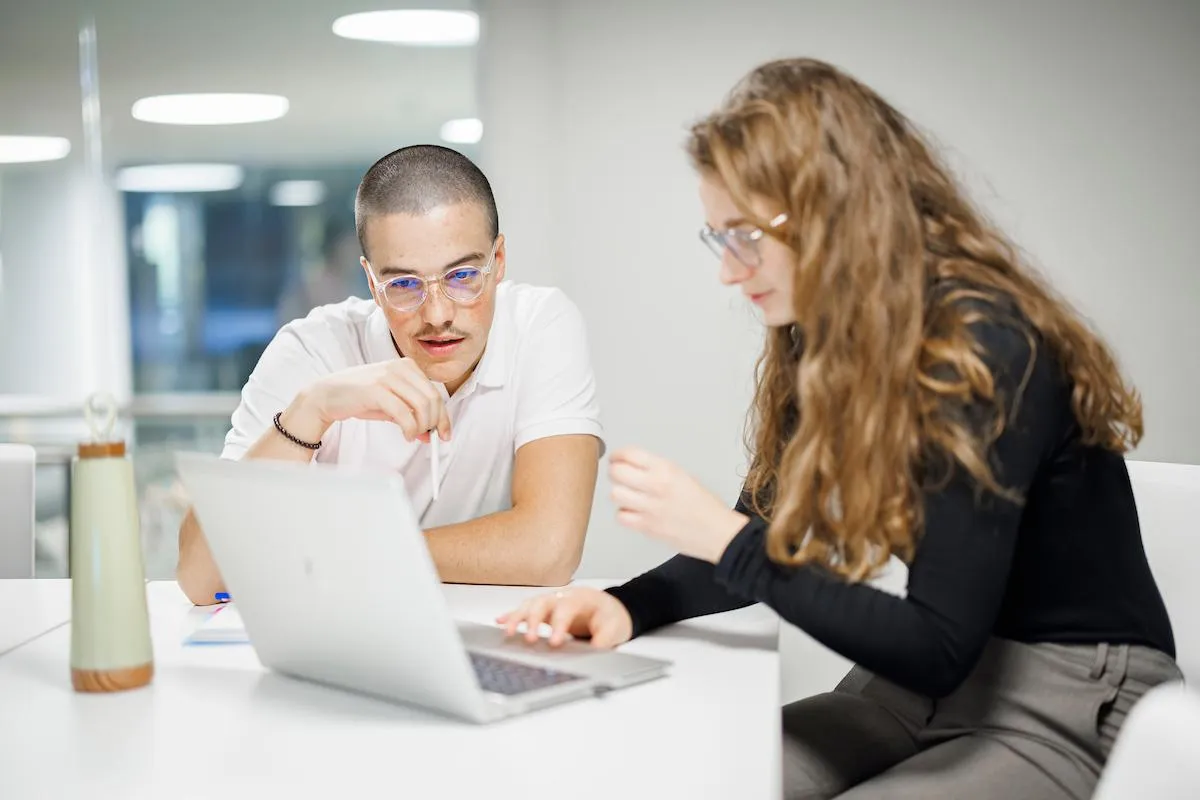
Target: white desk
(215, 724)
(29, 608)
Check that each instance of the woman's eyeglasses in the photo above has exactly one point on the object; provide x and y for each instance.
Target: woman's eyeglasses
(742, 242)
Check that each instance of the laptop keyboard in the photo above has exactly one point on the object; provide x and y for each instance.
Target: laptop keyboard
(510, 677)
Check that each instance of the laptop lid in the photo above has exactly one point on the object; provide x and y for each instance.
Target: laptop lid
(329, 569)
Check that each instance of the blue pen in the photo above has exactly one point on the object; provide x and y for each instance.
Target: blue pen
(221, 597)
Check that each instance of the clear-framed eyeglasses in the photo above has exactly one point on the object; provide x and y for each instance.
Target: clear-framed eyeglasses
(461, 284)
(742, 242)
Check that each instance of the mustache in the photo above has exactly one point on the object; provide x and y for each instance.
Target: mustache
(429, 332)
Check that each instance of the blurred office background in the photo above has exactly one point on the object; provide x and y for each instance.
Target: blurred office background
(1074, 123)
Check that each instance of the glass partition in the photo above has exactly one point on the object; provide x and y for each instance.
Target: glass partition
(176, 183)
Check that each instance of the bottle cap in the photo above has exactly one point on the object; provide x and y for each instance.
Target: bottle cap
(100, 412)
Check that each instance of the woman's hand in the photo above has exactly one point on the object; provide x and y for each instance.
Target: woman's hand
(655, 497)
(579, 612)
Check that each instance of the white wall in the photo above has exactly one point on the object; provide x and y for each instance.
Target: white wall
(1073, 123)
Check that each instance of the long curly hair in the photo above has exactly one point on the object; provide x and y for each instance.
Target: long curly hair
(856, 401)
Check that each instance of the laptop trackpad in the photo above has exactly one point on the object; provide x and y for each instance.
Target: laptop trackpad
(577, 657)
(492, 639)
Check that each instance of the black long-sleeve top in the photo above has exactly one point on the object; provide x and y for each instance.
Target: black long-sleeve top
(1067, 565)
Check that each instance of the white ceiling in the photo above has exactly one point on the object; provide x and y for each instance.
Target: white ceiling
(351, 101)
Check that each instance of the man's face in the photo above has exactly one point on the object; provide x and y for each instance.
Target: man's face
(446, 334)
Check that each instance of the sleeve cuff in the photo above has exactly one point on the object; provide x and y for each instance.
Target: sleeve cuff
(567, 426)
(628, 595)
(234, 451)
(652, 600)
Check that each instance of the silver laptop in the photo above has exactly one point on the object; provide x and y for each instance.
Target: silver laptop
(330, 573)
(18, 464)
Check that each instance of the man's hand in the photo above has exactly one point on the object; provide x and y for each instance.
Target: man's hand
(396, 391)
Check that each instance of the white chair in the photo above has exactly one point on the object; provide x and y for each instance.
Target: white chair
(1168, 504)
(1157, 753)
(17, 468)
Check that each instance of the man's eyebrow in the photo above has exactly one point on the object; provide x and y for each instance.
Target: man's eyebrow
(395, 272)
(474, 259)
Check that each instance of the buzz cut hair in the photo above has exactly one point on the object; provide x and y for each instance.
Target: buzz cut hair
(417, 179)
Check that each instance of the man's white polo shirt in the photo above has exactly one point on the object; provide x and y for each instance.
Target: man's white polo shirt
(535, 380)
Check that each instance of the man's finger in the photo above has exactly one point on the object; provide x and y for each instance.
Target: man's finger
(397, 412)
(436, 416)
(408, 372)
(411, 397)
(406, 367)
(433, 401)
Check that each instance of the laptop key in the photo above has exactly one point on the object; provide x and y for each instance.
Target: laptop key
(510, 677)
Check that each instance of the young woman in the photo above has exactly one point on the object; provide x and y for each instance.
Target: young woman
(922, 394)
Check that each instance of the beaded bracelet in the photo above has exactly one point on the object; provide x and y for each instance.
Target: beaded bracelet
(279, 427)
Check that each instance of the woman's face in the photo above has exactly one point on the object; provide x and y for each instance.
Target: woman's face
(761, 265)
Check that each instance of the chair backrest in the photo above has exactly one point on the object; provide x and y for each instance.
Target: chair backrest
(17, 468)
(1155, 752)
(1168, 502)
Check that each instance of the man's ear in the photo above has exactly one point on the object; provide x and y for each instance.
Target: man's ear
(366, 265)
(499, 260)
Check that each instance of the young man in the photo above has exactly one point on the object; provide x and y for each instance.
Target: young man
(499, 371)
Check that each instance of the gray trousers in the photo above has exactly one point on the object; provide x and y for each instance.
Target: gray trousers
(1030, 722)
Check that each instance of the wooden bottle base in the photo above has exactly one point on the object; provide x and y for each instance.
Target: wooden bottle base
(111, 680)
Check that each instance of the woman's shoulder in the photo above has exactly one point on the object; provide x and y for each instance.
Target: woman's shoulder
(1009, 343)
(1004, 336)
(1021, 361)
(1021, 408)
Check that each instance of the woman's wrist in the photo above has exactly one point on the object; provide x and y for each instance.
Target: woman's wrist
(724, 530)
